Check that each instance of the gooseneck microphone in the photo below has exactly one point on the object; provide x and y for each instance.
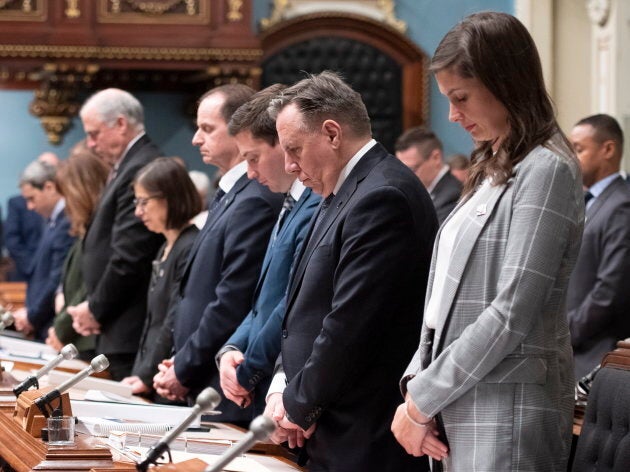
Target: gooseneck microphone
(260, 428)
(208, 399)
(6, 319)
(98, 364)
(68, 352)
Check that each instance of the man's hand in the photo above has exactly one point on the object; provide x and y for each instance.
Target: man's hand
(22, 324)
(232, 390)
(83, 321)
(166, 384)
(275, 410)
(417, 433)
(53, 341)
(137, 385)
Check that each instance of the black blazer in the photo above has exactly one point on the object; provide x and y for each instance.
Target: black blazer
(354, 315)
(218, 285)
(156, 343)
(445, 195)
(117, 254)
(598, 297)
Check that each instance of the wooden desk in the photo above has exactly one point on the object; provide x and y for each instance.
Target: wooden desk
(12, 294)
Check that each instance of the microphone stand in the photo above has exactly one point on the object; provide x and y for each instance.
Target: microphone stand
(260, 428)
(69, 351)
(208, 399)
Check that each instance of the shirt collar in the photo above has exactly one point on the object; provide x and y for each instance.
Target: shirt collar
(59, 206)
(345, 172)
(598, 187)
(297, 189)
(230, 178)
(133, 141)
(438, 177)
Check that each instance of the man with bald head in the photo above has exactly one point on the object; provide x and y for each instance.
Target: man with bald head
(598, 298)
(118, 248)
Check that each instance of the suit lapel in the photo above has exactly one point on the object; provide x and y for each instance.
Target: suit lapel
(361, 170)
(465, 241)
(213, 217)
(600, 201)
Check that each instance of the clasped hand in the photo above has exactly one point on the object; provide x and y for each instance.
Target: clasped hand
(286, 431)
(229, 383)
(417, 433)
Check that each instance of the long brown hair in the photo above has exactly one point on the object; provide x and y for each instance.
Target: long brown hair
(81, 179)
(497, 49)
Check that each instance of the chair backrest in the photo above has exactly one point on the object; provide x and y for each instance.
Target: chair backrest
(604, 443)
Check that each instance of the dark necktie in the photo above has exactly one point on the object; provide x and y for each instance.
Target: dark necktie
(218, 196)
(323, 209)
(588, 196)
(287, 206)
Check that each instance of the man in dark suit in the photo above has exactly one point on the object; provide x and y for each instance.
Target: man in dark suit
(248, 358)
(40, 193)
(117, 248)
(421, 151)
(23, 229)
(224, 263)
(355, 299)
(598, 295)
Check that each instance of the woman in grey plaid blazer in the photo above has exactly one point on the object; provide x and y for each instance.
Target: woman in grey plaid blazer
(491, 385)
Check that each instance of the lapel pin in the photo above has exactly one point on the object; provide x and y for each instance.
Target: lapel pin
(481, 209)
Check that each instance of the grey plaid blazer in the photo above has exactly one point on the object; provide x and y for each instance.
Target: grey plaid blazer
(498, 368)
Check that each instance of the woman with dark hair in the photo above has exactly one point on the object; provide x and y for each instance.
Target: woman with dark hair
(166, 201)
(491, 385)
(80, 179)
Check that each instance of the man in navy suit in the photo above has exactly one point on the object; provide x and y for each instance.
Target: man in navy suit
(248, 358)
(223, 266)
(598, 299)
(40, 193)
(117, 248)
(355, 298)
(421, 150)
(23, 230)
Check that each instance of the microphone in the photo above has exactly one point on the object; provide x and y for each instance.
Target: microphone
(208, 399)
(98, 364)
(6, 319)
(68, 352)
(260, 428)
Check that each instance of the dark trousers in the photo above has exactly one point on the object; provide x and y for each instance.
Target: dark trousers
(120, 365)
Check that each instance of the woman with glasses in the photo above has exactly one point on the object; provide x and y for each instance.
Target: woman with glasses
(166, 201)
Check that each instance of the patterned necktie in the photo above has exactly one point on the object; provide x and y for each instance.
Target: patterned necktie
(218, 196)
(287, 206)
(323, 209)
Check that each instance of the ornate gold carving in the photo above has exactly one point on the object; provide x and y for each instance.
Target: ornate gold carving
(387, 7)
(234, 12)
(55, 101)
(22, 10)
(135, 53)
(72, 9)
(279, 8)
(154, 11)
(383, 10)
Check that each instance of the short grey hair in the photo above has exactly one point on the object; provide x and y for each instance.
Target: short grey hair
(37, 174)
(325, 96)
(111, 103)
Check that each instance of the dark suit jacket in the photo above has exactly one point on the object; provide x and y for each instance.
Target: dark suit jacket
(22, 231)
(117, 254)
(598, 296)
(258, 336)
(156, 343)
(445, 195)
(219, 282)
(46, 274)
(354, 311)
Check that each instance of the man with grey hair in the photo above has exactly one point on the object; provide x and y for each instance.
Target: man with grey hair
(118, 248)
(37, 184)
(354, 302)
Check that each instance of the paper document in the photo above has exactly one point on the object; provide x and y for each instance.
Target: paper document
(148, 413)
